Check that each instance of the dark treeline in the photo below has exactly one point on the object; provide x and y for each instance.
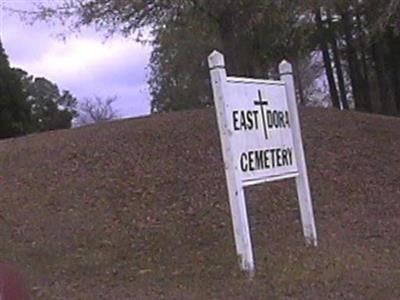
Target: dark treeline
(355, 43)
(360, 40)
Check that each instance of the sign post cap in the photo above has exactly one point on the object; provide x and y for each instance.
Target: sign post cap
(216, 60)
(285, 67)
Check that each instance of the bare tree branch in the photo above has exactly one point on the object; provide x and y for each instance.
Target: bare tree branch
(96, 110)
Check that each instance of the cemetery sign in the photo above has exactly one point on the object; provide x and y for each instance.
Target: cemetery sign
(261, 142)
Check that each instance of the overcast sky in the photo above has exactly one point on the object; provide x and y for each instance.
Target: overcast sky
(86, 64)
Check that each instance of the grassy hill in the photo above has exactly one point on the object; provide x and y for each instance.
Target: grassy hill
(138, 209)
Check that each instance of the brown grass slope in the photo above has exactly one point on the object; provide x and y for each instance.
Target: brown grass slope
(138, 209)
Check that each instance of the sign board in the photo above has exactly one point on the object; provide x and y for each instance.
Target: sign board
(261, 142)
(261, 135)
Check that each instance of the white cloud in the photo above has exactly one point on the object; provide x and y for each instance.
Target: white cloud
(81, 56)
(84, 64)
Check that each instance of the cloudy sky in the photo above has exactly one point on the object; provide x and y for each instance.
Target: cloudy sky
(85, 64)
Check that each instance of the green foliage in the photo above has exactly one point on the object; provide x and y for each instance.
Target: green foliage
(180, 77)
(14, 110)
(50, 108)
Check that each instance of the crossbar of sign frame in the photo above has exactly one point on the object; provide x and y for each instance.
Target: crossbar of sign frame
(261, 142)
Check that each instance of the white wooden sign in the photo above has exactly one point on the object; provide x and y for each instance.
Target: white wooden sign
(260, 130)
(261, 142)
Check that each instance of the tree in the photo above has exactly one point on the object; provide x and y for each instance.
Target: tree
(14, 110)
(179, 79)
(327, 58)
(240, 31)
(50, 108)
(337, 60)
(187, 30)
(359, 35)
(358, 39)
(96, 110)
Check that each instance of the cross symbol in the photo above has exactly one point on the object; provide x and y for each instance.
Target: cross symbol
(262, 103)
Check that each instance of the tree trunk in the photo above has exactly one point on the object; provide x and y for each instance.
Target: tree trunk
(365, 83)
(338, 64)
(327, 60)
(354, 66)
(387, 107)
(394, 64)
(299, 82)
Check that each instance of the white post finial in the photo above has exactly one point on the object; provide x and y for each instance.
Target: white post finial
(285, 68)
(216, 60)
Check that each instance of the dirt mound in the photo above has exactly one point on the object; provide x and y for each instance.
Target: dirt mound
(138, 209)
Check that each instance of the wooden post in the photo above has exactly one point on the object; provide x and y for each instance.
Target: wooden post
(302, 184)
(235, 188)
